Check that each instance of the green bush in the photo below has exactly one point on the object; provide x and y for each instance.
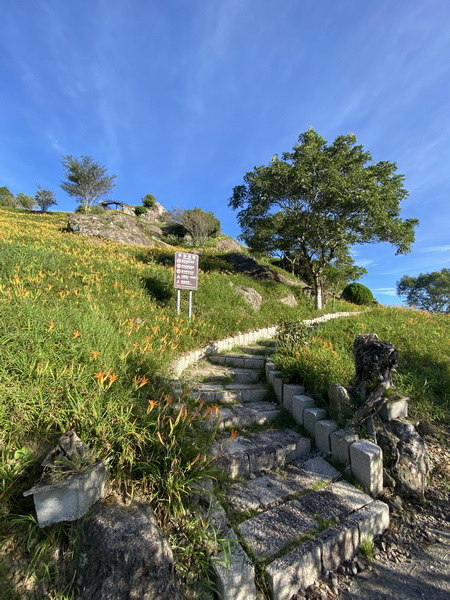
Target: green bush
(140, 210)
(357, 294)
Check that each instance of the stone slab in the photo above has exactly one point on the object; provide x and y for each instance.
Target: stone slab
(372, 519)
(366, 459)
(235, 574)
(340, 445)
(322, 432)
(295, 571)
(289, 391)
(271, 531)
(321, 467)
(278, 385)
(311, 416)
(338, 544)
(299, 403)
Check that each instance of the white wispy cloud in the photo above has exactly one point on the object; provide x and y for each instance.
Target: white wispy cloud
(386, 291)
(443, 248)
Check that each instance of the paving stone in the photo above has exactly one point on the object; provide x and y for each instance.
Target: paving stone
(254, 363)
(321, 467)
(322, 433)
(256, 413)
(366, 459)
(340, 445)
(272, 375)
(311, 416)
(335, 502)
(278, 388)
(269, 368)
(235, 574)
(372, 519)
(296, 570)
(338, 544)
(271, 531)
(289, 391)
(289, 445)
(271, 489)
(299, 403)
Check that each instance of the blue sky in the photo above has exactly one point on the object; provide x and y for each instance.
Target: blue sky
(180, 98)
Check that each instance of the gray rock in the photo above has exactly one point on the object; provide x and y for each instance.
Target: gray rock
(112, 225)
(125, 555)
(407, 457)
(251, 296)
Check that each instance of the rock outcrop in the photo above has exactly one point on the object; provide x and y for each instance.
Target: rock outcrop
(124, 554)
(112, 225)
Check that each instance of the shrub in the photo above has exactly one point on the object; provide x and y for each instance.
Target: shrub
(140, 210)
(149, 201)
(357, 294)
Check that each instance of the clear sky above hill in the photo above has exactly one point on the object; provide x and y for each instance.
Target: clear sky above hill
(179, 98)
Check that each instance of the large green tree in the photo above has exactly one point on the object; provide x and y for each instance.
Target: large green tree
(318, 200)
(87, 180)
(429, 291)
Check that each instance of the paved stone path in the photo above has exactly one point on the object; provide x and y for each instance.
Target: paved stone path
(284, 512)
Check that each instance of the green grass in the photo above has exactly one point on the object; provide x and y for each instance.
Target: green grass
(422, 340)
(88, 328)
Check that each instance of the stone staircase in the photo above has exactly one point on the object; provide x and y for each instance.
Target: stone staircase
(281, 511)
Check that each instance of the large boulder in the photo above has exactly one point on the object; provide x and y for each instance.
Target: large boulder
(251, 296)
(124, 555)
(112, 225)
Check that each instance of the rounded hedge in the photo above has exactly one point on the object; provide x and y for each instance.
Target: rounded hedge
(357, 294)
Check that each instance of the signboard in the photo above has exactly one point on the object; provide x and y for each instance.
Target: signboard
(186, 271)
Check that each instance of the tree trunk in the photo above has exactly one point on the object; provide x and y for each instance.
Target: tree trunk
(317, 293)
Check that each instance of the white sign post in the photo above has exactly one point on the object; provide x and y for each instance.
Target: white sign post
(185, 276)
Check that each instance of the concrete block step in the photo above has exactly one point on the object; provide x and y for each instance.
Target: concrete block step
(230, 393)
(301, 566)
(262, 350)
(268, 533)
(273, 488)
(252, 413)
(242, 361)
(246, 455)
(206, 372)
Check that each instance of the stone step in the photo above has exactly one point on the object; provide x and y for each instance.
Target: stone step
(253, 413)
(302, 566)
(242, 361)
(230, 393)
(256, 452)
(206, 372)
(263, 350)
(273, 488)
(269, 533)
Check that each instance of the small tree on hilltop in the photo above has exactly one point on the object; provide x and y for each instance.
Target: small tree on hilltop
(87, 180)
(149, 201)
(200, 224)
(44, 198)
(429, 291)
(24, 201)
(6, 197)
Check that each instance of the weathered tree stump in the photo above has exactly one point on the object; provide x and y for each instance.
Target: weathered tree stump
(375, 363)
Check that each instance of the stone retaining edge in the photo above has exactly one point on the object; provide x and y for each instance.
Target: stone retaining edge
(184, 361)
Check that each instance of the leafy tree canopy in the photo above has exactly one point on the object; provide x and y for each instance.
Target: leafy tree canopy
(87, 180)
(429, 291)
(24, 201)
(200, 224)
(148, 201)
(44, 198)
(6, 197)
(318, 200)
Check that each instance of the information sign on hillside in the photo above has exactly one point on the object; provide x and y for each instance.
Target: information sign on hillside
(186, 271)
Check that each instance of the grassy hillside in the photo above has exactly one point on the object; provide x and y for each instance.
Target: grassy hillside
(86, 332)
